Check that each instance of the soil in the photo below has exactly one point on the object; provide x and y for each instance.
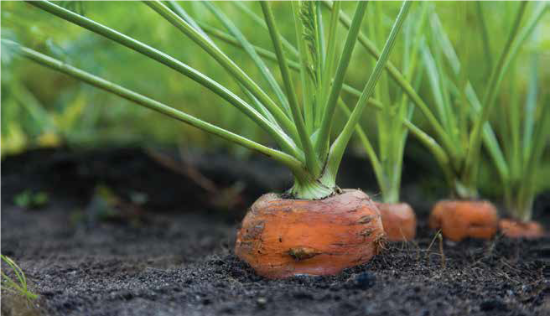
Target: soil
(169, 252)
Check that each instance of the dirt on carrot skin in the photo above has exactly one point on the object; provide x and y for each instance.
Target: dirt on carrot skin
(181, 262)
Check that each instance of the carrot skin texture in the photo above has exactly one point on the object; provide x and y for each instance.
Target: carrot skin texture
(399, 221)
(463, 219)
(281, 238)
(517, 229)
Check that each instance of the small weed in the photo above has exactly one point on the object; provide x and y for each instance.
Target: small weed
(18, 286)
(31, 200)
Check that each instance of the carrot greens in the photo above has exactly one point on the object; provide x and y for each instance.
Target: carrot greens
(301, 127)
(393, 116)
(458, 118)
(525, 135)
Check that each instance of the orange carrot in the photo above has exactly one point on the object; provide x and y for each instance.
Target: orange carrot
(462, 219)
(399, 221)
(281, 238)
(517, 229)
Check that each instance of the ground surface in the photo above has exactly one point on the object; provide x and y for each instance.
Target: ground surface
(179, 261)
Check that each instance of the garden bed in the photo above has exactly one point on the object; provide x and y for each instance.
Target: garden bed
(171, 253)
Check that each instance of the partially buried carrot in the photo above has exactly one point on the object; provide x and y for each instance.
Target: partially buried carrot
(281, 238)
(399, 221)
(517, 229)
(464, 218)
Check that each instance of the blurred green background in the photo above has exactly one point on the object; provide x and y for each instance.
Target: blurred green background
(43, 108)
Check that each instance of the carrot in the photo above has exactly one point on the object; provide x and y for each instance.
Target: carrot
(462, 219)
(518, 229)
(399, 221)
(281, 237)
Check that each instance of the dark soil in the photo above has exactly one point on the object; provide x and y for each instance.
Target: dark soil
(171, 254)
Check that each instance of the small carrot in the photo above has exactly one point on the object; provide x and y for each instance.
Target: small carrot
(517, 229)
(281, 237)
(461, 219)
(399, 221)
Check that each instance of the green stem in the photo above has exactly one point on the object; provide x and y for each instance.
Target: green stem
(310, 189)
(323, 140)
(282, 139)
(144, 101)
(519, 203)
(260, 22)
(527, 188)
(312, 161)
(305, 75)
(229, 39)
(439, 153)
(340, 144)
(473, 155)
(249, 49)
(489, 137)
(330, 60)
(226, 63)
(484, 35)
(402, 82)
(174, 6)
(369, 150)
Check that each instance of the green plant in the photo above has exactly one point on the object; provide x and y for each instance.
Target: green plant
(29, 199)
(524, 133)
(94, 115)
(387, 159)
(300, 129)
(31, 123)
(18, 286)
(394, 133)
(459, 120)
